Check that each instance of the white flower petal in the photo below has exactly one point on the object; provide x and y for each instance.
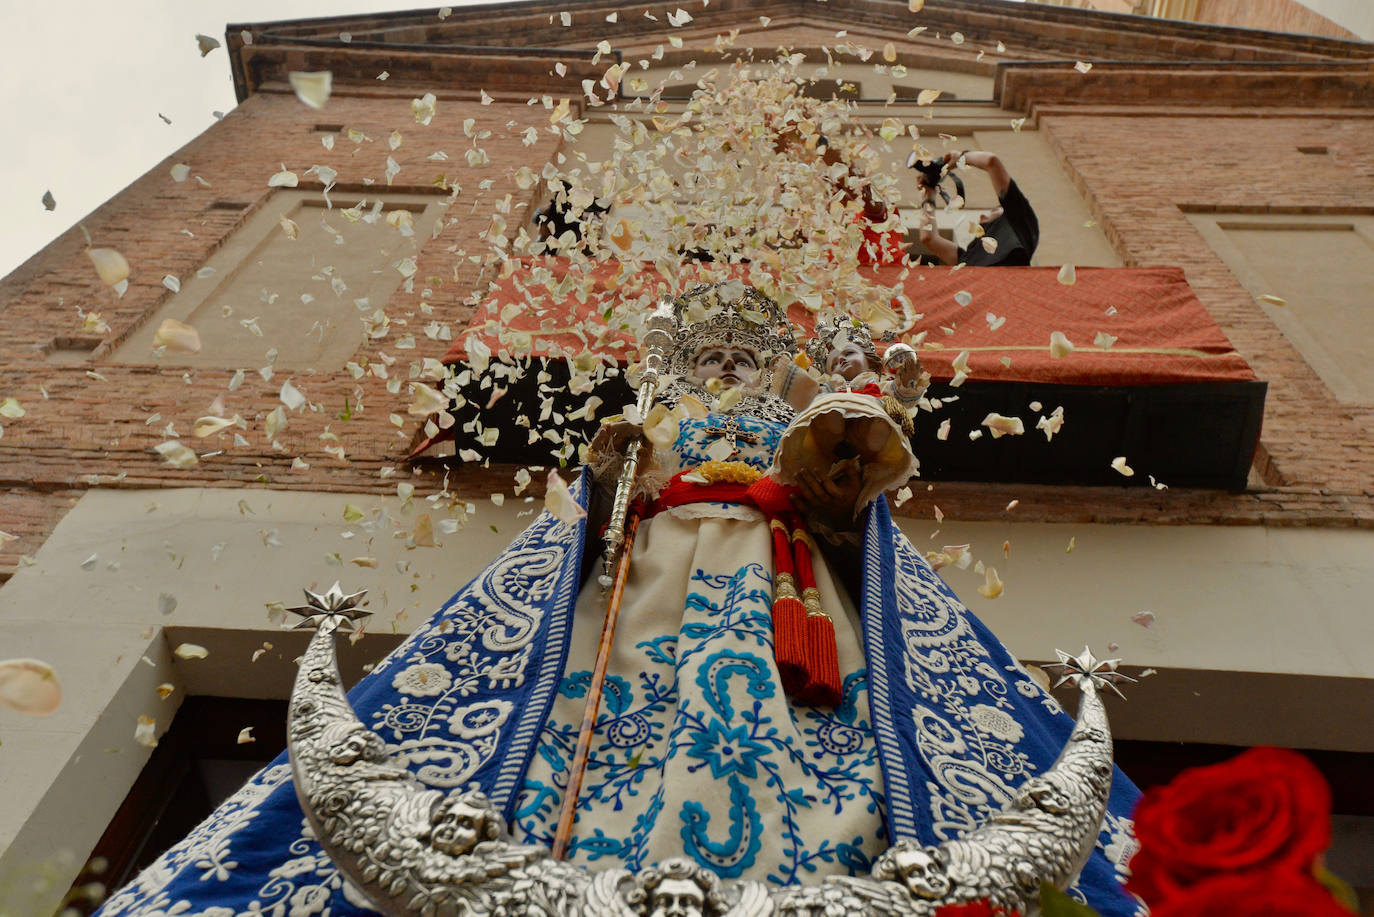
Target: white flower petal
(109, 264)
(29, 686)
(177, 455)
(176, 336)
(312, 87)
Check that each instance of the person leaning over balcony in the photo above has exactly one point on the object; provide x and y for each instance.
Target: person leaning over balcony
(1012, 225)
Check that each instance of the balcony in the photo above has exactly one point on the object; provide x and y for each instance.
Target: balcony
(1150, 377)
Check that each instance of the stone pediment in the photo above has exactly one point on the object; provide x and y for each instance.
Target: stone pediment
(511, 47)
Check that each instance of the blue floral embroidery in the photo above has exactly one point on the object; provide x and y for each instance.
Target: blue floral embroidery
(726, 728)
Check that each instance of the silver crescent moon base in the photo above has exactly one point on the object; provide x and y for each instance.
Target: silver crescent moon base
(412, 850)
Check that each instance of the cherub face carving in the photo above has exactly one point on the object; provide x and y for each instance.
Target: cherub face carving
(457, 826)
(1043, 795)
(678, 898)
(358, 743)
(923, 874)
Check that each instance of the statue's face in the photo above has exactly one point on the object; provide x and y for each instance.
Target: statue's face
(847, 361)
(678, 898)
(458, 826)
(733, 366)
(923, 874)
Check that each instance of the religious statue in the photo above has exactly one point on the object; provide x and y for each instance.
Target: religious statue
(794, 708)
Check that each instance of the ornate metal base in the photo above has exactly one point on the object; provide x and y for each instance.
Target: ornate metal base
(415, 850)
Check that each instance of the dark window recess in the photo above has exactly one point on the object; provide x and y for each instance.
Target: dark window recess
(1200, 434)
(197, 764)
(817, 89)
(70, 348)
(1313, 150)
(228, 205)
(329, 128)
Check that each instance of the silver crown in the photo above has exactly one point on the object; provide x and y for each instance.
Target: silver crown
(728, 314)
(820, 345)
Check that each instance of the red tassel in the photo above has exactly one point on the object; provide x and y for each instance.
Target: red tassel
(789, 614)
(789, 644)
(822, 685)
(823, 688)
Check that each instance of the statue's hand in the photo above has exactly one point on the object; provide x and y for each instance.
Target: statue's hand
(831, 500)
(608, 448)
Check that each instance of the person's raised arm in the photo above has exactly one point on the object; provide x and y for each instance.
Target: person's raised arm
(989, 163)
(944, 249)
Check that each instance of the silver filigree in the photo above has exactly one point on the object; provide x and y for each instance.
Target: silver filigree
(415, 850)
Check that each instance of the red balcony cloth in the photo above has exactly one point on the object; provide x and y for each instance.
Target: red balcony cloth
(1163, 332)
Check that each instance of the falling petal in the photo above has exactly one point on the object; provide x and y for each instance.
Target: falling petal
(180, 172)
(1104, 340)
(284, 179)
(109, 264)
(1119, 465)
(423, 108)
(559, 501)
(312, 87)
(291, 396)
(1144, 618)
(173, 334)
(1067, 275)
(206, 44)
(246, 735)
(11, 409)
(1082, 66)
(29, 686)
(177, 455)
(1272, 300)
(1000, 425)
(1060, 346)
(49, 202)
(992, 584)
(927, 96)
(166, 603)
(145, 733)
(209, 426)
(428, 400)
(1050, 425)
(190, 651)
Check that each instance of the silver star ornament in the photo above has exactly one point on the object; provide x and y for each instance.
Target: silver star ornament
(1101, 672)
(330, 606)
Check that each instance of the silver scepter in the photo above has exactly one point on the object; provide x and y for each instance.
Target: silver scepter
(657, 339)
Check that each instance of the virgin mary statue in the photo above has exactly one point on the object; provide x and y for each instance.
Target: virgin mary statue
(791, 691)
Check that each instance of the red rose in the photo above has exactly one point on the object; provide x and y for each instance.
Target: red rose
(1254, 894)
(1267, 809)
(973, 909)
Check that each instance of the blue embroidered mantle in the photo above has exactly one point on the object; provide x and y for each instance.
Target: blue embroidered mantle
(957, 723)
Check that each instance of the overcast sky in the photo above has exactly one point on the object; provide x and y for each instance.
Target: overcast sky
(84, 85)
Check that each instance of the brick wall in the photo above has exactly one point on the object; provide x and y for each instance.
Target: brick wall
(89, 424)
(1236, 163)
(93, 418)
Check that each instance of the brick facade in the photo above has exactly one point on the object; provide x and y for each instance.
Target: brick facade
(88, 424)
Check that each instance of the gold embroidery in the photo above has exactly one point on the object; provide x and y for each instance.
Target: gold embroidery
(725, 473)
